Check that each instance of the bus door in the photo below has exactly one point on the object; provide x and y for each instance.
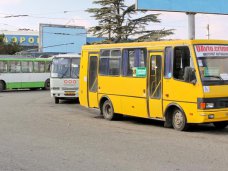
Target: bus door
(93, 81)
(155, 85)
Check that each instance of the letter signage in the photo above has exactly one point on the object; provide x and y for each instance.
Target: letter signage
(23, 40)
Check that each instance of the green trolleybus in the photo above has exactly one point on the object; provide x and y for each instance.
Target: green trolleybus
(24, 73)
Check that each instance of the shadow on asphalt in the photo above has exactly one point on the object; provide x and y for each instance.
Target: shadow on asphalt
(197, 128)
(22, 91)
(65, 101)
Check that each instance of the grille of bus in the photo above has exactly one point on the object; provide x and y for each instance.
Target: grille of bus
(55, 88)
(68, 88)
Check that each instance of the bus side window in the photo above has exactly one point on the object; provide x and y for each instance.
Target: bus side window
(47, 67)
(14, 66)
(133, 58)
(3, 67)
(36, 67)
(168, 62)
(39, 67)
(26, 67)
(42, 66)
(110, 62)
(182, 60)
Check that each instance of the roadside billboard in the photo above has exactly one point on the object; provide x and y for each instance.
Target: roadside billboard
(61, 38)
(191, 6)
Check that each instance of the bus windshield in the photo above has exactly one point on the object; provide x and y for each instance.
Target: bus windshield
(213, 63)
(65, 68)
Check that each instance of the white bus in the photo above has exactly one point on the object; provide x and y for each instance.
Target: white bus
(64, 81)
(24, 73)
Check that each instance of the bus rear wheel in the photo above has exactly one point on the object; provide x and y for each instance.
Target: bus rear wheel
(220, 125)
(108, 111)
(47, 85)
(2, 86)
(179, 120)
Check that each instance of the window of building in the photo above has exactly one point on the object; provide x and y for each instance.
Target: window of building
(133, 58)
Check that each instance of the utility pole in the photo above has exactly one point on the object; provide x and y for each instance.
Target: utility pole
(208, 31)
(191, 25)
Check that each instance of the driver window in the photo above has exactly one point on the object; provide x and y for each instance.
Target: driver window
(182, 62)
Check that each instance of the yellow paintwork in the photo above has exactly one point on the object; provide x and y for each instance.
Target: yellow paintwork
(129, 95)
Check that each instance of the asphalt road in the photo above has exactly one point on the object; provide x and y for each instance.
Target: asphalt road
(36, 134)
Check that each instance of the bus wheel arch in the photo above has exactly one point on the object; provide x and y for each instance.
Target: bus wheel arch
(175, 117)
(2, 85)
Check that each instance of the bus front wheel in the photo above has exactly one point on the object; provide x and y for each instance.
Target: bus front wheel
(179, 120)
(56, 100)
(220, 125)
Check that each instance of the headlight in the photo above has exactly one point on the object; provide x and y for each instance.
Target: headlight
(204, 105)
(210, 105)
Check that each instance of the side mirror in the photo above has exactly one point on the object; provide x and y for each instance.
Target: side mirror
(189, 75)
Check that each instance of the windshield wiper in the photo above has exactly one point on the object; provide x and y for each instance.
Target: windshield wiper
(214, 76)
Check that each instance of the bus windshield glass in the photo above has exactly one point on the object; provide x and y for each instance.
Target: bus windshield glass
(61, 68)
(75, 67)
(213, 62)
(65, 68)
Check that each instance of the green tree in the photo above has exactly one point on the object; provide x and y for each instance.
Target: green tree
(8, 48)
(121, 23)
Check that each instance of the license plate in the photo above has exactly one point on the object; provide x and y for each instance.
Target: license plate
(69, 93)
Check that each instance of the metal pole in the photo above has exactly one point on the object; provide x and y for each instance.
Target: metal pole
(191, 25)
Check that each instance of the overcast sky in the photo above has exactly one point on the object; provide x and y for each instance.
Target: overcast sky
(72, 12)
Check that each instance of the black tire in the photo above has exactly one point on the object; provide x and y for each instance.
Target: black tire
(2, 86)
(56, 100)
(47, 85)
(179, 120)
(108, 111)
(220, 125)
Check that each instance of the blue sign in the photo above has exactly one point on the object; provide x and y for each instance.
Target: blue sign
(23, 40)
(193, 6)
(62, 38)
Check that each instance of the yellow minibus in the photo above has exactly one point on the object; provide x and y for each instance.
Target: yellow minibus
(180, 82)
